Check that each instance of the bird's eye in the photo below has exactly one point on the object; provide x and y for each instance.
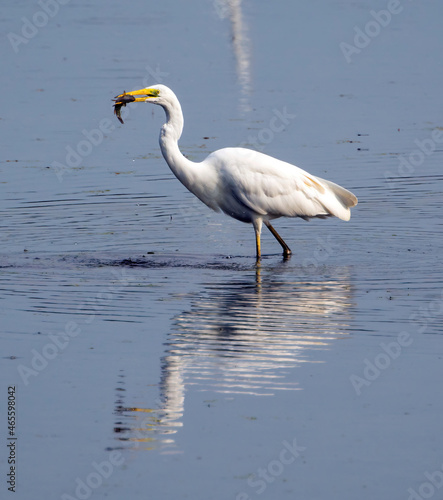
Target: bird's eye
(153, 92)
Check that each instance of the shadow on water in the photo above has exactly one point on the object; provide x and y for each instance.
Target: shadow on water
(239, 337)
(147, 261)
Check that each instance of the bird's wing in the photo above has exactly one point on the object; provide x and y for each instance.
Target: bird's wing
(272, 187)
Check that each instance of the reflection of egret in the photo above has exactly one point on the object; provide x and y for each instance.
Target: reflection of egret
(242, 337)
(247, 185)
(240, 46)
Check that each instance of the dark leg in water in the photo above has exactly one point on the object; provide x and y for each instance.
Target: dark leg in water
(286, 250)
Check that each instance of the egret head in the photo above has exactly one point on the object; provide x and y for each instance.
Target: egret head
(156, 94)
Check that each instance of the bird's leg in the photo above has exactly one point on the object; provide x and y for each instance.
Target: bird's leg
(286, 250)
(257, 244)
(257, 228)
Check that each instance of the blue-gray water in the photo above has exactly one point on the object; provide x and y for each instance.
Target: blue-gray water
(150, 356)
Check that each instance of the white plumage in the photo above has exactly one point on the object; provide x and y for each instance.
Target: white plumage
(247, 185)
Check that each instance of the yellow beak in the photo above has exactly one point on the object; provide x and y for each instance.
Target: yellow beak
(147, 93)
(127, 97)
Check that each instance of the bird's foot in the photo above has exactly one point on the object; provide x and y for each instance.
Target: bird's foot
(287, 254)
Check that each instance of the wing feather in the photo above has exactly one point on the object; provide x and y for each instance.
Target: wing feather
(270, 187)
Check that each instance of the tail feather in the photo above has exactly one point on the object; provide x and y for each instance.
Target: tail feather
(346, 199)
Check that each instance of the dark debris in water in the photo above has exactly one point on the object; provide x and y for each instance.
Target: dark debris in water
(149, 260)
(146, 262)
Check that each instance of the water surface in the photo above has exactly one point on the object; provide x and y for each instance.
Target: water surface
(151, 356)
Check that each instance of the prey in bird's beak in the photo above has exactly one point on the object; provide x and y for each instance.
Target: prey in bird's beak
(123, 99)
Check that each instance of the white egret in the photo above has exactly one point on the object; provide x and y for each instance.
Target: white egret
(247, 185)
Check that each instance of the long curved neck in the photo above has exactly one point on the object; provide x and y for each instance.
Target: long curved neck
(170, 133)
(199, 178)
